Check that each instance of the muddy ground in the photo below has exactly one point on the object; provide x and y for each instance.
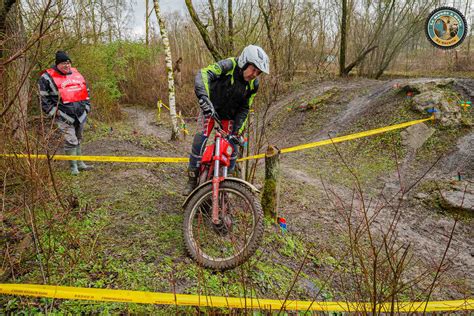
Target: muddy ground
(129, 215)
(371, 104)
(358, 105)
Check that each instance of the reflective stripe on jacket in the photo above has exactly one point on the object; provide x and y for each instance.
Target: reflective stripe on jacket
(232, 96)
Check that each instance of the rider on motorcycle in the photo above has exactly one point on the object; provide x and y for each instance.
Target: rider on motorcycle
(226, 90)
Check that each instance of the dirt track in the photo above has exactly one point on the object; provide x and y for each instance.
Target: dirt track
(419, 224)
(309, 213)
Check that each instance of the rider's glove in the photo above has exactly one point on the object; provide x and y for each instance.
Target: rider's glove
(237, 140)
(206, 106)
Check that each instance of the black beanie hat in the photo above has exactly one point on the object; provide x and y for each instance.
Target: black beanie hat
(61, 57)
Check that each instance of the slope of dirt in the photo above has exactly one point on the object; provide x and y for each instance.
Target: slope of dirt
(421, 223)
(357, 105)
(129, 219)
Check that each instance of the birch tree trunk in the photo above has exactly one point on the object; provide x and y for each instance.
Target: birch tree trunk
(169, 69)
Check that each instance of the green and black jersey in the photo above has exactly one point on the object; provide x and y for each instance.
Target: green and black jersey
(223, 83)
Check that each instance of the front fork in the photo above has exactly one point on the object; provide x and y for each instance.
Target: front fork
(216, 180)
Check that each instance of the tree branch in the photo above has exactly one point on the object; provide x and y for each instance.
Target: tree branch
(203, 31)
(361, 57)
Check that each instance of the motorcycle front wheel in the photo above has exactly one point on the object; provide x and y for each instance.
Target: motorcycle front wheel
(236, 238)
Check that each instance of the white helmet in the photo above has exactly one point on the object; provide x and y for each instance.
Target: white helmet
(255, 55)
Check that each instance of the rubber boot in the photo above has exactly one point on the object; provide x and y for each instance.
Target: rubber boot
(80, 164)
(73, 163)
(192, 182)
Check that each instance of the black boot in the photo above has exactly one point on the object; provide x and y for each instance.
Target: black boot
(192, 182)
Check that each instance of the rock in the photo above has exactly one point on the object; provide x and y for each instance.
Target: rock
(425, 84)
(426, 100)
(450, 118)
(435, 94)
(448, 113)
(454, 200)
(464, 185)
(416, 135)
(422, 196)
(460, 161)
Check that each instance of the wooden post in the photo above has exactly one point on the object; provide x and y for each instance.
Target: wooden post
(271, 192)
(158, 112)
(247, 130)
(183, 125)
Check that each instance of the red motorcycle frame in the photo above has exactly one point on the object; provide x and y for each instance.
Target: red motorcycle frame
(216, 161)
(223, 218)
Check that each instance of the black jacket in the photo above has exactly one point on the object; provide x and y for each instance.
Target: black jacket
(231, 95)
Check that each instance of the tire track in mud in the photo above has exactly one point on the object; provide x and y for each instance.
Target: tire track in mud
(144, 120)
(426, 231)
(419, 226)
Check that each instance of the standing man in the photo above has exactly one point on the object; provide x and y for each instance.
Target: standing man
(65, 98)
(226, 88)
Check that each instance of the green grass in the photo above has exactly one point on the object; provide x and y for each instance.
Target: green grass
(126, 230)
(126, 233)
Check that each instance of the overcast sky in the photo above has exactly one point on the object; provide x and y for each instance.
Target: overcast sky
(137, 23)
(167, 6)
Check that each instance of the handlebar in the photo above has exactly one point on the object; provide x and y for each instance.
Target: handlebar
(232, 138)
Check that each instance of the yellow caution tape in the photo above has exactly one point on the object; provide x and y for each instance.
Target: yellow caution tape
(162, 103)
(344, 138)
(100, 158)
(182, 159)
(106, 295)
(183, 123)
